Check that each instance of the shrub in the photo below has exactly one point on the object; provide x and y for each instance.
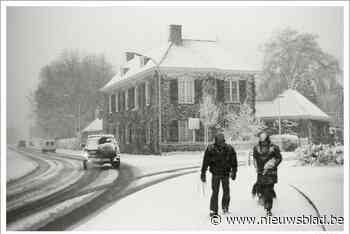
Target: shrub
(287, 142)
(320, 155)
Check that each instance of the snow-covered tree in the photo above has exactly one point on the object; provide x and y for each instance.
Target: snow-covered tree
(242, 125)
(209, 114)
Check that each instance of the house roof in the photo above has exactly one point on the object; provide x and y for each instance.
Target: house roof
(191, 54)
(291, 105)
(94, 126)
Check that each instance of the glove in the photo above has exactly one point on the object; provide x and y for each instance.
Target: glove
(203, 177)
(233, 175)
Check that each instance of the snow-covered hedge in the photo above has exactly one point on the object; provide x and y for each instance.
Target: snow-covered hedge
(320, 155)
(287, 142)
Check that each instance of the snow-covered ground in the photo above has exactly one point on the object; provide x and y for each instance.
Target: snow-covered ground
(324, 185)
(18, 165)
(179, 203)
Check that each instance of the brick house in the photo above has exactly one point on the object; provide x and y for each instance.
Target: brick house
(164, 87)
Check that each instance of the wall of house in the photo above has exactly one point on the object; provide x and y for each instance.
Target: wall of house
(140, 120)
(209, 85)
(119, 123)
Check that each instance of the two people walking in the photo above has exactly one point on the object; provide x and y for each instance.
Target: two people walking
(221, 159)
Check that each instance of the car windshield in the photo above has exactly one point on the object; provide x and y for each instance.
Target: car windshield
(92, 142)
(104, 140)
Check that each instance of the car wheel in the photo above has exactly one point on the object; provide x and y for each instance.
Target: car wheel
(115, 165)
(85, 164)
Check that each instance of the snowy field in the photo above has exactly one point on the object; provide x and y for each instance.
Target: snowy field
(18, 165)
(180, 204)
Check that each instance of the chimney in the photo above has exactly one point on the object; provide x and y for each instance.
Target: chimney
(129, 56)
(175, 34)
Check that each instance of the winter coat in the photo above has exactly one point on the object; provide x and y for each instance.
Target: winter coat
(267, 163)
(220, 158)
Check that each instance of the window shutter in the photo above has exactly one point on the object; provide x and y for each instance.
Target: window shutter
(113, 103)
(141, 95)
(173, 89)
(242, 90)
(227, 90)
(131, 98)
(198, 91)
(122, 101)
(220, 90)
(173, 131)
(117, 102)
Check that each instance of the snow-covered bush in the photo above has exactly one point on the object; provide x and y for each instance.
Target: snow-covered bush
(242, 126)
(320, 155)
(287, 142)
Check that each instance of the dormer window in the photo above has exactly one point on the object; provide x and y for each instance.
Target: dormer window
(124, 70)
(143, 61)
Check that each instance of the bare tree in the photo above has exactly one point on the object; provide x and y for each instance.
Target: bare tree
(242, 125)
(209, 114)
(295, 60)
(69, 90)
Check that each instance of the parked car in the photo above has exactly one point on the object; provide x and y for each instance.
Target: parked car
(21, 144)
(48, 145)
(101, 149)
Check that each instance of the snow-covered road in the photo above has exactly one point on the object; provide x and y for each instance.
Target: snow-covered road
(178, 203)
(18, 165)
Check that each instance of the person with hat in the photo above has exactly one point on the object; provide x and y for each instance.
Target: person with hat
(221, 159)
(267, 157)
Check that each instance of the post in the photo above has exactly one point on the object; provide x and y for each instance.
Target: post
(79, 125)
(279, 115)
(159, 110)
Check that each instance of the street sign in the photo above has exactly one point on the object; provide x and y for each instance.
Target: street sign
(193, 123)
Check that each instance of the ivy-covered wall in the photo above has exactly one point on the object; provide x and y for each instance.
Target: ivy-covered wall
(205, 84)
(138, 120)
(119, 123)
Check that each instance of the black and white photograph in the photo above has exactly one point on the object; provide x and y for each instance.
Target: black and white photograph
(175, 116)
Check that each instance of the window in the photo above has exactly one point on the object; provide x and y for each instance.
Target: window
(129, 134)
(121, 101)
(141, 95)
(110, 104)
(148, 133)
(116, 102)
(121, 133)
(147, 93)
(231, 91)
(136, 100)
(185, 134)
(186, 90)
(200, 133)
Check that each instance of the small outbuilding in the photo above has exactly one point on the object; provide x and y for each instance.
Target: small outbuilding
(310, 120)
(95, 127)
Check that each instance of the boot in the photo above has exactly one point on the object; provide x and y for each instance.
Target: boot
(225, 210)
(212, 213)
(268, 212)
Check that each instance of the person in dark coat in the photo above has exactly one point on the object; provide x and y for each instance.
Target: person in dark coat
(222, 162)
(267, 157)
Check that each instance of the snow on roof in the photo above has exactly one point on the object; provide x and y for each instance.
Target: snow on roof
(193, 54)
(94, 126)
(291, 105)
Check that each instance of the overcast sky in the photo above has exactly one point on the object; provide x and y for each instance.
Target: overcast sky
(37, 35)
